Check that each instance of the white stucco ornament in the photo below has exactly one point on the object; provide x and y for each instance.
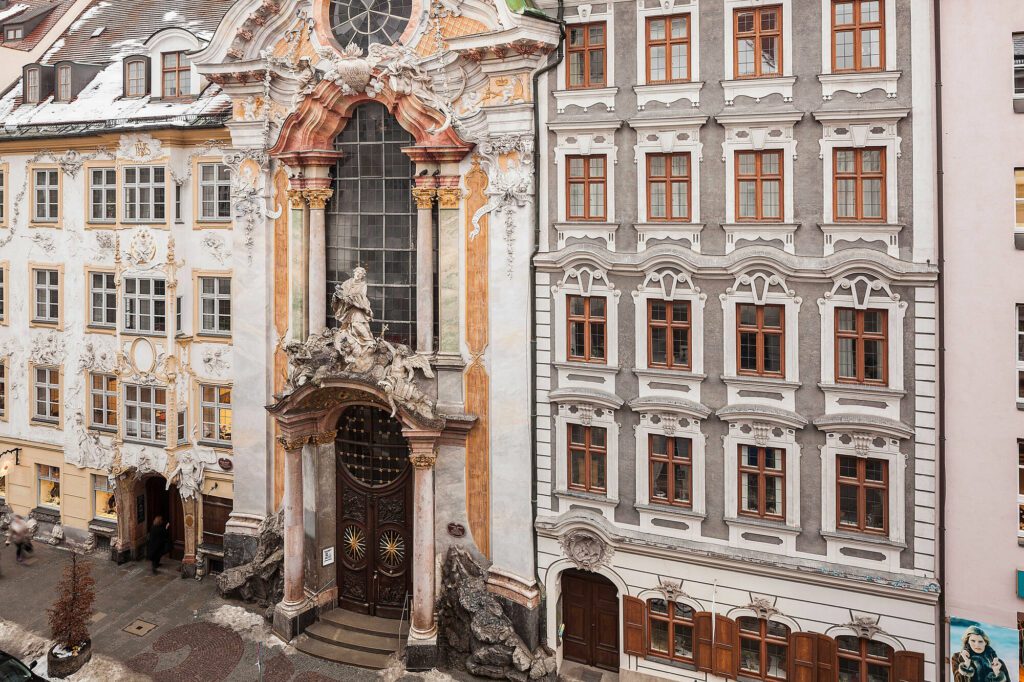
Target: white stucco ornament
(585, 549)
(139, 147)
(217, 362)
(90, 451)
(190, 471)
(142, 248)
(47, 349)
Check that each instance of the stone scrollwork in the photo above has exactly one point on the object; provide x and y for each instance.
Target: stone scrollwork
(247, 199)
(47, 349)
(141, 248)
(508, 189)
(586, 550)
(91, 452)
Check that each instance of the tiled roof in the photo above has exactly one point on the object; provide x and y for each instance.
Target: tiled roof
(128, 24)
(29, 8)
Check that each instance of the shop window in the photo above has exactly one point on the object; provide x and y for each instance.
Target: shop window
(104, 506)
(49, 486)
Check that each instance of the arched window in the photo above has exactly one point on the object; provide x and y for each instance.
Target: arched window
(372, 219)
(863, 660)
(764, 649)
(362, 22)
(670, 625)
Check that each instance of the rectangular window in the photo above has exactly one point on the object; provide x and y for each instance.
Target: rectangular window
(46, 300)
(49, 486)
(215, 305)
(144, 193)
(1020, 487)
(47, 195)
(587, 54)
(1018, 64)
(668, 334)
(64, 84)
(3, 195)
(762, 482)
(858, 35)
(3, 294)
(668, 187)
(670, 626)
(1019, 198)
(178, 305)
(1020, 353)
(671, 470)
(3, 390)
(757, 35)
(764, 646)
(46, 387)
(216, 511)
(15, 33)
(214, 191)
(103, 504)
(32, 89)
(861, 346)
(760, 342)
(862, 495)
(588, 458)
(215, 404)
(176, 75)
(182, 426)
(135, 78)
(859, 184)
(3, 487)
(587, 327)
(102, 300)
(145, 413)
(587, 191)
(668, 49)
(759, 185)
(103, 402)
(102, 195)
(145, 305)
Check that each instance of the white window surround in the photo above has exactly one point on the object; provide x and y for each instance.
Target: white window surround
(171, 40)
(668, 136)
(601, 414)
(582, 138)
(757, 132)
(588, 377)
(887, 548)
(756, 609)
(858, 83)
(671, 421)
(762, 288)
(863, 292)
(860, 129)
(666, 93)
(767, 432)
(759, 88)
(588, 97)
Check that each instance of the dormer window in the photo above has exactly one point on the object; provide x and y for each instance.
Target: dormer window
(136, 77)
(177, 75)
(14, 33)
(32, 86)
(64, 83)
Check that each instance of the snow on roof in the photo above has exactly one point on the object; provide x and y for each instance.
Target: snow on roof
(86, 15)
(12, 10)
(45, 59)
(54, 10)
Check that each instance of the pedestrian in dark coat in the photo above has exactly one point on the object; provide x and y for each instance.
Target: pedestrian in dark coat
(159, 541)
(20, 534)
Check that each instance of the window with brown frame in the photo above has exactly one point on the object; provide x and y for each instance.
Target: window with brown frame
(761, 340)
(64, 84)
(670, 630)
(764, 649)
(587, 53)
(858, 36)
(668, 334)
(587, 325)
(588, 458)
(757, 36)
(759, 185)
(762, 482)
(32, 86)
(671, 470)
(668, 186)
(177, 73)
(859, 184)
(135, 78)
(863, 659)
(861, 346)
(862, 495)
(668, 49)
(587, 188)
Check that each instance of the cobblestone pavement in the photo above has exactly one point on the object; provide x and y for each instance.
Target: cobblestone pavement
(195, 636)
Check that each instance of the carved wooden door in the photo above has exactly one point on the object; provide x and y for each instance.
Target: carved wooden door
(590, 612)
(374, 513)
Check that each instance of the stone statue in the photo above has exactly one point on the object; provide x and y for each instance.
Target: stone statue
(190, 470)
(400, 376)
(354, 315)
(92, 454)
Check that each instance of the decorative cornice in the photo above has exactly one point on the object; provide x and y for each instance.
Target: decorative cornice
(317, 198)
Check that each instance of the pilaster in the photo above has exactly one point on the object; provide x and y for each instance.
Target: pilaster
(449, 363)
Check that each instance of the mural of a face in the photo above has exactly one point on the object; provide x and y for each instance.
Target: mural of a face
(977, 643)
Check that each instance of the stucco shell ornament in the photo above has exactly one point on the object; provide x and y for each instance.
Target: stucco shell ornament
(585, 549)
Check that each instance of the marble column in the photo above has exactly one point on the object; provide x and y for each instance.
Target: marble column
(317, 199)
(287, 612)
(422, 646)
(298, 249)
(424, 193)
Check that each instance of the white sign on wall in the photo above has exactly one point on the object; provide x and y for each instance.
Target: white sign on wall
(328, 556)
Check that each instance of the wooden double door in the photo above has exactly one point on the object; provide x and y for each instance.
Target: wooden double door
(375, 506)
(590, 612)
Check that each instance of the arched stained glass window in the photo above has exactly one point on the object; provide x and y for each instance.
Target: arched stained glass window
(369, 21)
(372, 220)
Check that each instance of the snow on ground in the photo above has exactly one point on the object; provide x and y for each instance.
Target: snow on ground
(396, 671)
(249, 625)
(28, 647)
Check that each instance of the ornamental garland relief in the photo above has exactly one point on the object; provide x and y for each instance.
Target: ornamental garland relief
(586, 550)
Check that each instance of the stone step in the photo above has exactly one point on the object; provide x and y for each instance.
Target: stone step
(341, 654)
(384, 627)
(373, 643)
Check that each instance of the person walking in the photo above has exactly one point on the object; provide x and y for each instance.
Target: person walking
(159, 541)
(21, 535)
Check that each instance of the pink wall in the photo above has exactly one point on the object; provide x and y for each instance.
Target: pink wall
(983, 141)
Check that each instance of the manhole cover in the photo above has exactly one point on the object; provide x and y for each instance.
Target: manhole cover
(140, 628)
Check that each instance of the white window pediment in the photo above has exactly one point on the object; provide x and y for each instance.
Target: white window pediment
(668, 136)
(581, 410)
(585, 98)
(758, 132)
(758, 88)
(857, 130)
(666, 93)
(586, 139)
(589, 280)
(858, 83)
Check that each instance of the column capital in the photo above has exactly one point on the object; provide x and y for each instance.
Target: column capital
(296, 198)
(424, 197)
(448, 197)
(293, 443)
(324, 437)
(318, 197)
(422, 458)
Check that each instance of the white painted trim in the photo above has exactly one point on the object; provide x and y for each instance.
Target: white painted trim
(671, 135)
(762, 288)
(586, 139)
(667, 93)
(583, 413)
(890, 44)
(673, 426)
(758, 88)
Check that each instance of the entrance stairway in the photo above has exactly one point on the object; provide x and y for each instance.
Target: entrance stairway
(353, 639)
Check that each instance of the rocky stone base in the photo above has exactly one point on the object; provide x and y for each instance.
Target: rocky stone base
(477, 636)
(262, 579)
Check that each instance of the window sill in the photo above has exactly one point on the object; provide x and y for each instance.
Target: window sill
(146, 443)
(676, 231)
(668, 510)
(605, 503)
(859, 83)
(208, 224)
(654, 658)
(150, 335)
(584, 229)
(205, 337)
(1018, 234)
(103, 430)
(862, 538)
(46, 423)
(662, 372)
(748, 381)
(750, 523)
(887, 233)
(40, 224)
(668, 93)
(104, 527)
(45, 323)
(758, 88)
(860, 389)
(214, 445)
(769, 231)
(586, 98)
(90, 329)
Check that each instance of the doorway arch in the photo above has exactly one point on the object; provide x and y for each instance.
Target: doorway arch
(590, 612)
(165, 502)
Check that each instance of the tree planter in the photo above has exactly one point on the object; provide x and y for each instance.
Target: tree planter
(61, 667)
